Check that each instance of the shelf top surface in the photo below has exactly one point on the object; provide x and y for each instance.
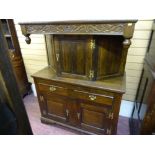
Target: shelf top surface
(77, 22)
(115, 84)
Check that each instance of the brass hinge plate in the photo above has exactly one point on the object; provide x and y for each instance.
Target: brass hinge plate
(111, 115)
(92, 44)
(57, 56)
(108, 131)
(41, 98)
(91, 74)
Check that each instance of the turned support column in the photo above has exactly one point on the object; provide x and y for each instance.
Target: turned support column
(126, 45)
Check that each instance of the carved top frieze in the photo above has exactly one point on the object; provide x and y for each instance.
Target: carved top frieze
(75, 28)
(124, 28)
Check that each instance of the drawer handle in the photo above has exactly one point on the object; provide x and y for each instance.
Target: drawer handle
(92, 97)
(67, 112)
(78, 116)
(52, 88)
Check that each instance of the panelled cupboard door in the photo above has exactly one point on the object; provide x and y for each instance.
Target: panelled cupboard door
(73, 55)
(55, 107)
(87, 56)
(61, 108)
(109, 55)
(94, 118)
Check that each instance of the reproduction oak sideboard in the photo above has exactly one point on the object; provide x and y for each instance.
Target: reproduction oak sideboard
(83, 85)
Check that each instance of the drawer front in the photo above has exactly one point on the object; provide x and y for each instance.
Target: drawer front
(97, 98)
(53, 89)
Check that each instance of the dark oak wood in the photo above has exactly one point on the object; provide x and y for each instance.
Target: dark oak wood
(83, 85)
(83, 105)
(15, 55)
(12, 88)
(83, 50)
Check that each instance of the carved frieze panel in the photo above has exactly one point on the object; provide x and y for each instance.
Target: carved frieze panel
(76, 28)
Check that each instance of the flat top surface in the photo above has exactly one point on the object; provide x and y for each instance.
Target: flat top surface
(77, 22)
(115, 84)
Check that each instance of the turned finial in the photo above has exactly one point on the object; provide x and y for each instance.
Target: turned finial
(28, 39)
(126, 42)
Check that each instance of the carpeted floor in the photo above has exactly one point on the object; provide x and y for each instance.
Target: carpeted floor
(32, 107)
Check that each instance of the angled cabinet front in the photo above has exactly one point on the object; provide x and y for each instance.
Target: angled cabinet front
(73, 56)
(90, 57)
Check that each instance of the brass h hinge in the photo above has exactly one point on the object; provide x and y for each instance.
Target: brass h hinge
(41, 98)
(92, 44)
(57, 56)
(108, 131)
(111, 115)
(91, 74)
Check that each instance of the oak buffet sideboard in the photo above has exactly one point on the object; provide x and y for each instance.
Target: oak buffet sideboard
(83, 85)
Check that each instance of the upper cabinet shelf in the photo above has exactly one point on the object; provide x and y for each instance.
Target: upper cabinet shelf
(117, 27)
(90, 50)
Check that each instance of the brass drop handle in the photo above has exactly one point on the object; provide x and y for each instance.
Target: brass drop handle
(52, 88)
(78, 116)
(67, 112)
(92, 97)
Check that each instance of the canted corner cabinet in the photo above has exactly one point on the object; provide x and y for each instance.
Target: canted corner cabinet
(14, 52)
(83, 85)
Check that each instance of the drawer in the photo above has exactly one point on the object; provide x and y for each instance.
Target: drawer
(53, 89)
(97, 98)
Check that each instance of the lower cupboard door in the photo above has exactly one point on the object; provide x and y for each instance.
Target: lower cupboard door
(56, 108)
(94, 118)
